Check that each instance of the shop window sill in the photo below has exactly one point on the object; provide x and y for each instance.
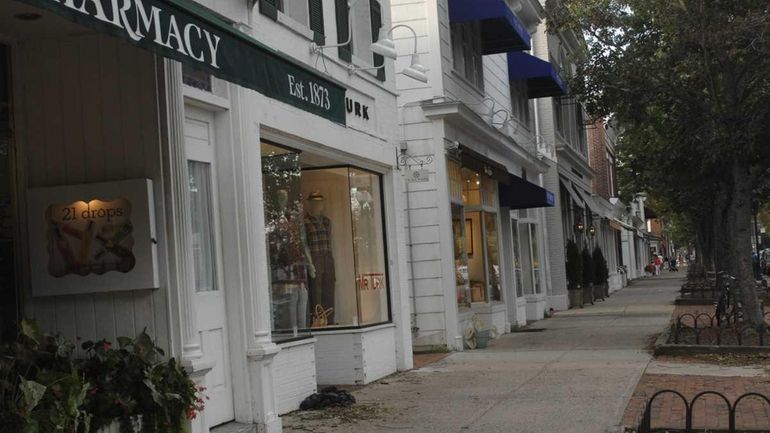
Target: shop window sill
(355, 330)
(296, 341)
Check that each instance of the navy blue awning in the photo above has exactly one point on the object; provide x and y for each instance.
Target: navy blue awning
(520, 194)
(542, 78)
(501, 30)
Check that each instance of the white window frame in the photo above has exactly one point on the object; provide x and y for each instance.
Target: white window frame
(466, 45)
(207, 154)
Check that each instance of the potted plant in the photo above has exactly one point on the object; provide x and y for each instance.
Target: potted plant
(574, 267)
(601, 273)
(587, 278)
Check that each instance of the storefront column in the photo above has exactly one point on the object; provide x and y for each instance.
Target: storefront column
(180, 259)
(178, 210)
(260, 349)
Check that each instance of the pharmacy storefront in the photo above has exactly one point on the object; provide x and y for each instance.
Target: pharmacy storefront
(160, 169)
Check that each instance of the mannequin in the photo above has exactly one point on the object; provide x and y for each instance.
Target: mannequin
(321, 261)
(288, 267)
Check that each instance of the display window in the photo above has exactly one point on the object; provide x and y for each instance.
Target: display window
(526, 261)
(462, 280)
(517, 271)
(475, 234)
(325, 233)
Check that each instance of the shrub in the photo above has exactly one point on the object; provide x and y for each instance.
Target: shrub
(601, 273)
(588, 268)
(574, 266)
(44, 388)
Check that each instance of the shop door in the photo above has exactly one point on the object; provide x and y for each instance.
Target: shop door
(208, 281)
(9, 306)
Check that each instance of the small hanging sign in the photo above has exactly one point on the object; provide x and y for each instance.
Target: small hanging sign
(417, 176)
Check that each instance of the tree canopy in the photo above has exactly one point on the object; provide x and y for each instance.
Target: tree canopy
(687, 81)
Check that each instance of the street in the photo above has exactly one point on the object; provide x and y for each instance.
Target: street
(572, 373)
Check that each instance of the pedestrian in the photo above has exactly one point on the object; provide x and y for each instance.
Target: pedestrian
(657, 261)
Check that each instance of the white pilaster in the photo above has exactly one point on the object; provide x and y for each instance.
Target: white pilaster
(260, 350)
(182, 292)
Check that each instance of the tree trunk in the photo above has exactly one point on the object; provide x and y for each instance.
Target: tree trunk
(704, 247)
(734, 231)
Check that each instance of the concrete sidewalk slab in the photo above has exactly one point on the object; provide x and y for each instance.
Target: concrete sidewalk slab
(576, 376)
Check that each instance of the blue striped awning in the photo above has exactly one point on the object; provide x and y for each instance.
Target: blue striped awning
(501, 30)
(542, 78)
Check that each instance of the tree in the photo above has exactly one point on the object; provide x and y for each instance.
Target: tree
(688, 81)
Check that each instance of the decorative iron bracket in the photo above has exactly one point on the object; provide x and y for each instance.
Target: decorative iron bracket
(408, 161)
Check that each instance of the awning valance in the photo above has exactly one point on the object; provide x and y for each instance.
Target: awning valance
(189, 33)
(542, 78)
(521, 194)
(501, 30)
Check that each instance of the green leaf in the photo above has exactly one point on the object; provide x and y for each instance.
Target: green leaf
(33, 392)
(124, 341)
(31, 426)
(30, 330)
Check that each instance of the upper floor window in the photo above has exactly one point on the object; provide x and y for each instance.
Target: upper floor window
(366, 23)
(466, 52)
(305, 13)
(521, 105)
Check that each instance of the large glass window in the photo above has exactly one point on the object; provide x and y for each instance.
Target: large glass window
(477, 257)
(535, 257)
(462, 281)
(525, 238)
(325, 230)
(493, 256)
(517, 258)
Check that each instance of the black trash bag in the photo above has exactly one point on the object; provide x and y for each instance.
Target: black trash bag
(328, 397)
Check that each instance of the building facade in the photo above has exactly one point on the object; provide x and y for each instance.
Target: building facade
(563, 123)
(222, 174)
(475, 223)
(608, 230)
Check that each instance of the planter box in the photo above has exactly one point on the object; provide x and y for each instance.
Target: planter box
(575, 298)
(588, 295)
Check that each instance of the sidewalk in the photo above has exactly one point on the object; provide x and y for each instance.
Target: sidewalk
(576, 374)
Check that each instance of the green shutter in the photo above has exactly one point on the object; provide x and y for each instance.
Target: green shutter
(343, 30)
(316, 12)
(269, 8)
(376, 14)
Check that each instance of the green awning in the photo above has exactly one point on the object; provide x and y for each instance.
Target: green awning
(185, 31)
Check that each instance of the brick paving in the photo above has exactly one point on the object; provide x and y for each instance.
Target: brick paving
(423, 359)
(710, 411)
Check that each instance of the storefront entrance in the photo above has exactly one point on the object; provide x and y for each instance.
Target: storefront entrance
(9, 305)
(207, 261)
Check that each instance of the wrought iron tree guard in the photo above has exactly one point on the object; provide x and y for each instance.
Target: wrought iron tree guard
(728, 331)
(645, 426)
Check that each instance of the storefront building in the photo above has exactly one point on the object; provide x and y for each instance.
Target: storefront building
(219, 173)
(608, 231)
(475, 221)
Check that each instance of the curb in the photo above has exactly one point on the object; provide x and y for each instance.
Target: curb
(662, 347)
